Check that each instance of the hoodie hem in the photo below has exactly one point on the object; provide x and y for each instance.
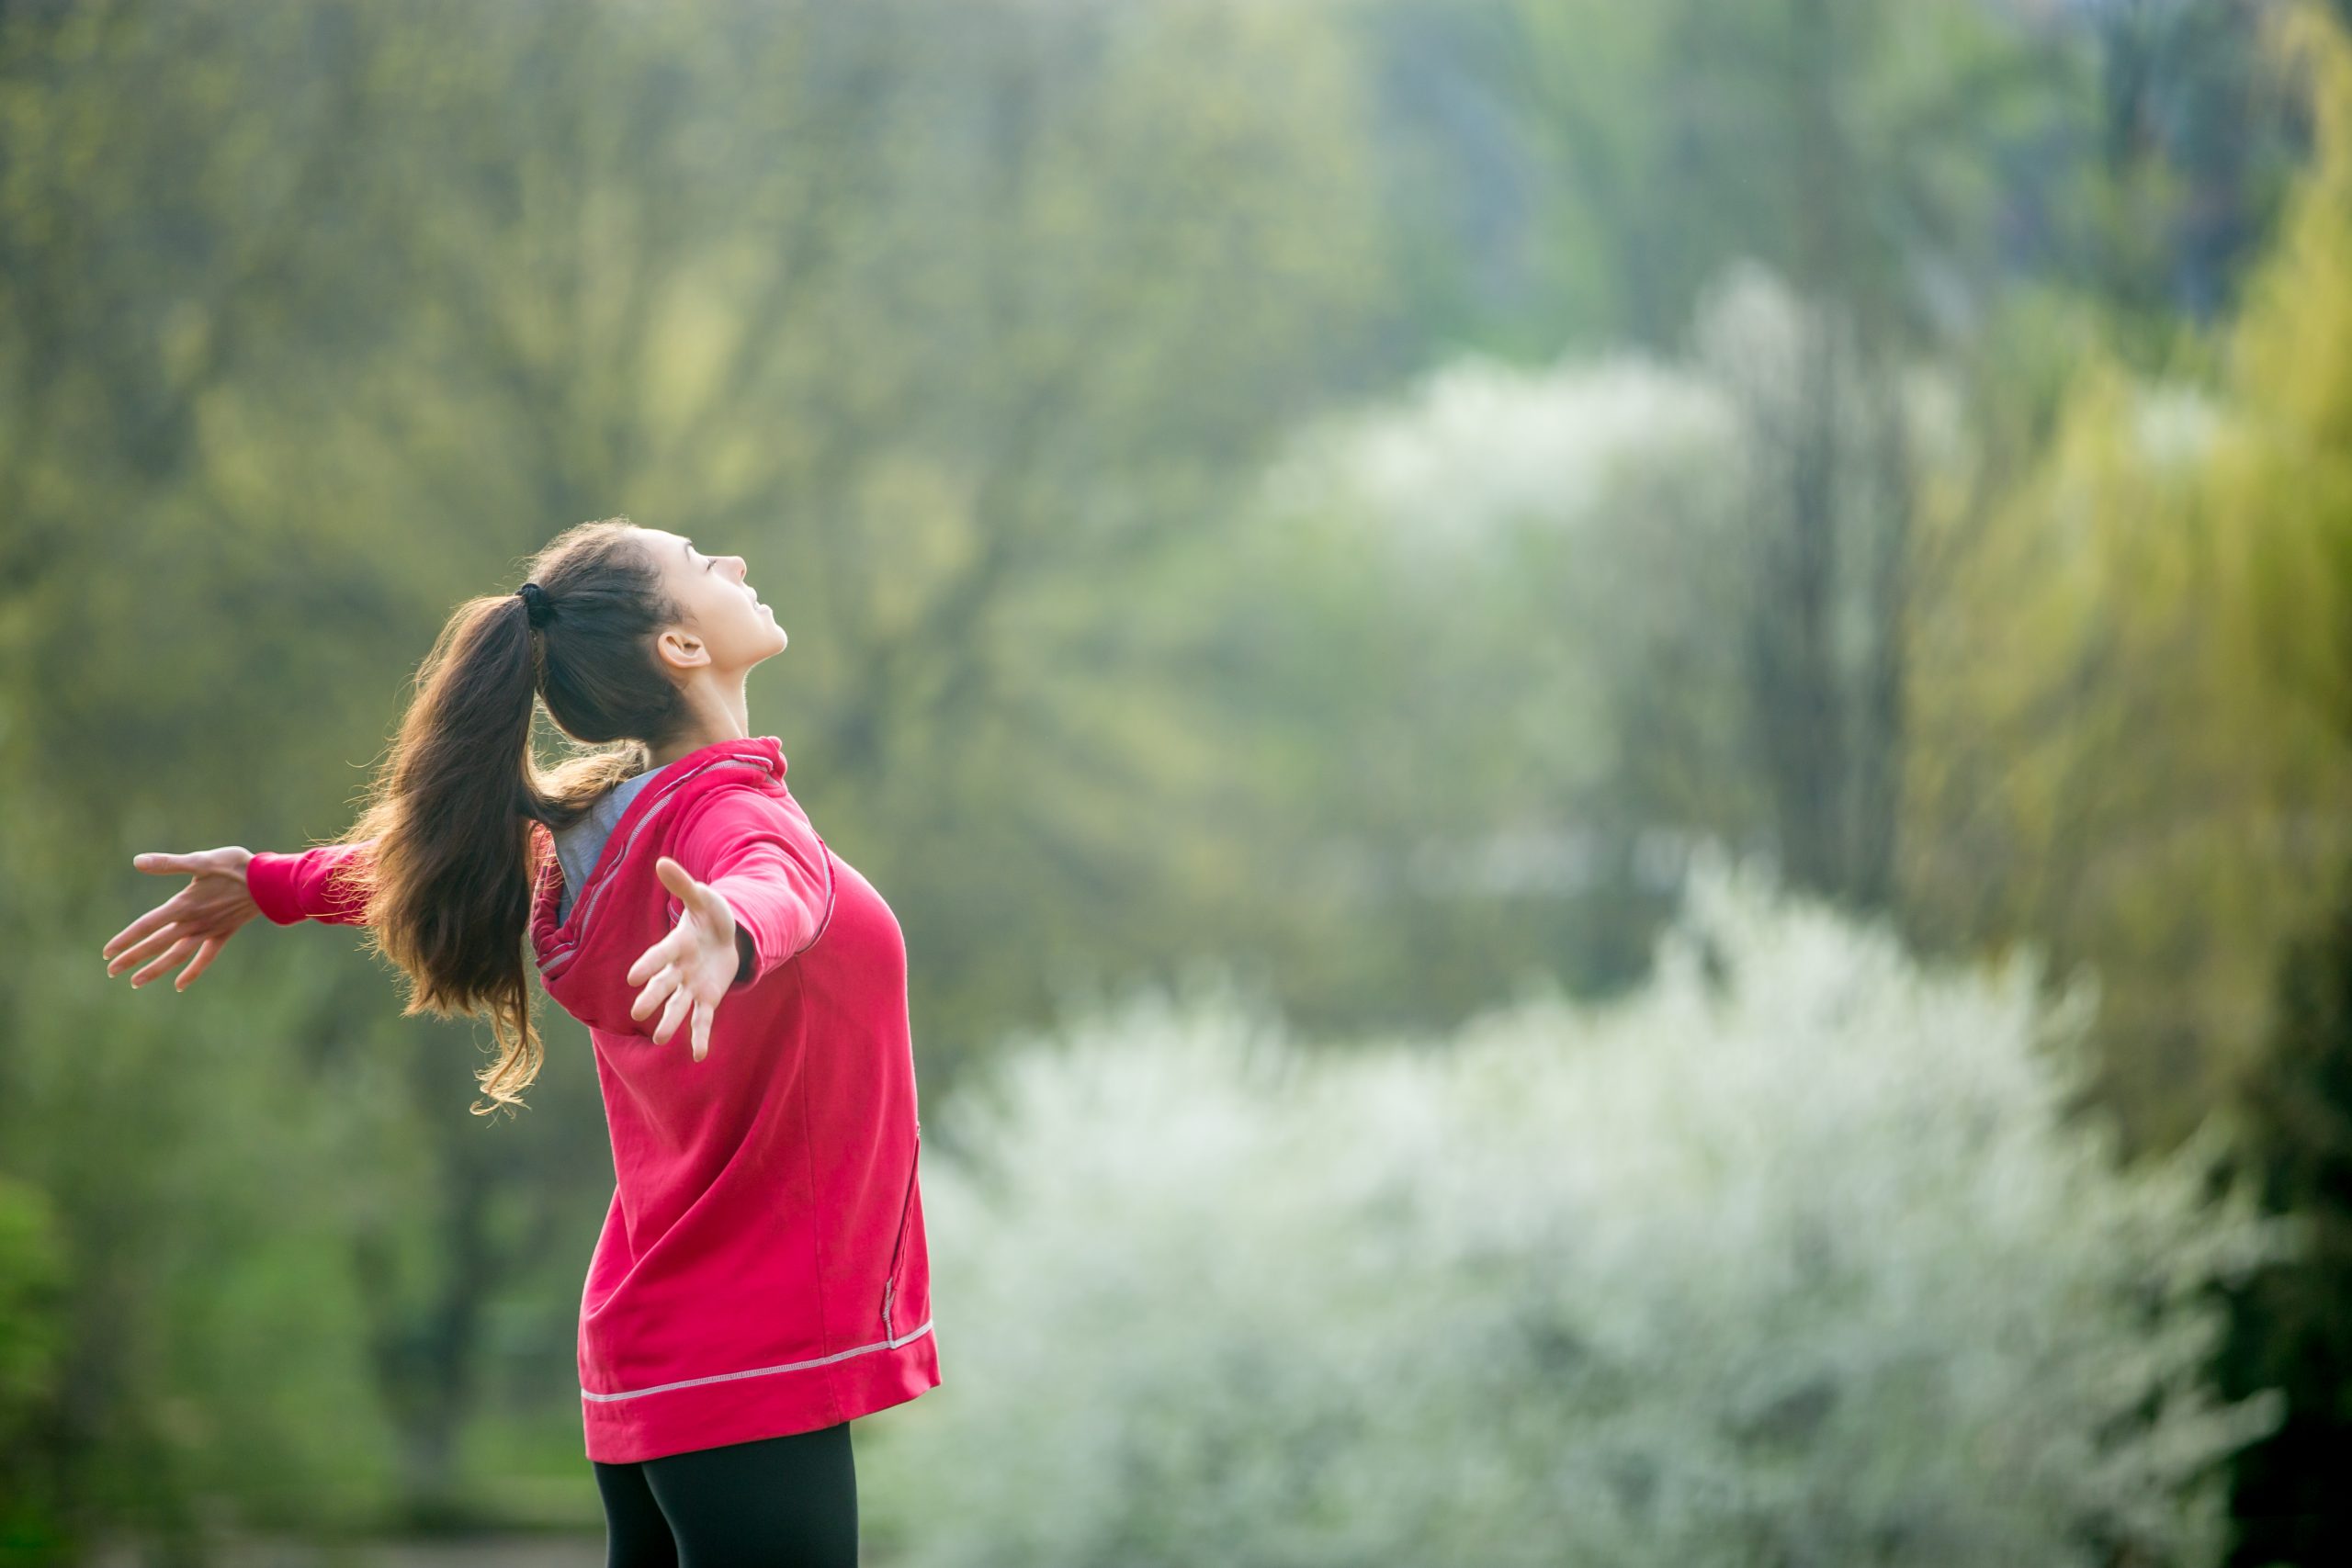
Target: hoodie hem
(746, 1407)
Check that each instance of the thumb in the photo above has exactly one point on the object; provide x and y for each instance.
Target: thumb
(699, 898)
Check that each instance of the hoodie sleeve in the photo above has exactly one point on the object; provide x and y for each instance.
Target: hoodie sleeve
(774, 872)
(308, 885)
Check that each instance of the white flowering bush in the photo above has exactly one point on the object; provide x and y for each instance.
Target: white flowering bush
(1793, 1257)
(1600, 549)
(1481, 447)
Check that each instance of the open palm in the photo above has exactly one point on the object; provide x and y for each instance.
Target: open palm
(197, 919)
(690, 971)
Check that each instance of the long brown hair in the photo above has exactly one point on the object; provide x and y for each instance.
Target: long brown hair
(449, 882)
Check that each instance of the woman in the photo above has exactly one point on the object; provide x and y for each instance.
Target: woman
(762, 1278)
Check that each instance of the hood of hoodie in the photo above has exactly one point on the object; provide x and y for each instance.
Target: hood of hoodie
(622, 908)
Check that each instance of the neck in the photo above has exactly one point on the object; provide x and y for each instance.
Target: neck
(715, 715)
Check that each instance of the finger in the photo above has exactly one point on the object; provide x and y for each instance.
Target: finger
(682, 1002)
(202, 962)
(146, 948)
(165, 962)
(703, 1015)
(653, 958)
(152, 944)
(161, 915)
(657, 991)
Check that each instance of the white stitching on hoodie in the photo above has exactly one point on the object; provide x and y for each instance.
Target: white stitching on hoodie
(910, 1335)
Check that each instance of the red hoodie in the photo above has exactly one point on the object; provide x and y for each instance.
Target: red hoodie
(762, 1268)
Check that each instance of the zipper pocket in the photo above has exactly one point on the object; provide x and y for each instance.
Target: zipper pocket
(897, 1245)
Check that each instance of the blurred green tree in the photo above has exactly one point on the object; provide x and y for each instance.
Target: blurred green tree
(951, 317)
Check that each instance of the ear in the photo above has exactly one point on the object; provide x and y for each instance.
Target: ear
(681, 648)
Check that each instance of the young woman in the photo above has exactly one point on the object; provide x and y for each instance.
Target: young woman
(762, 1278)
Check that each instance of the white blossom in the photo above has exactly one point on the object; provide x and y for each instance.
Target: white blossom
(1793, 1257)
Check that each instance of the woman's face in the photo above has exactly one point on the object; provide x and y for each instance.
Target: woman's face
(726, 624)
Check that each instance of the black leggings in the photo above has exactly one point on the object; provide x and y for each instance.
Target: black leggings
(788, 1502)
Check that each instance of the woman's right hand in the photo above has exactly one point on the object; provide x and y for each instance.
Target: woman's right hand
(197, 919)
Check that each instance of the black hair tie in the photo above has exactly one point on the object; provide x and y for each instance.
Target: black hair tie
(538, 605)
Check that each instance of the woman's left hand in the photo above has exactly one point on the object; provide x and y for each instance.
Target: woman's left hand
(689, 971)
(197, 919)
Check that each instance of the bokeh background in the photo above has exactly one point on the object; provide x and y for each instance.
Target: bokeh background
(1612, 737)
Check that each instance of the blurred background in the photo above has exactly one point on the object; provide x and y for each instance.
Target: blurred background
(1612, 737)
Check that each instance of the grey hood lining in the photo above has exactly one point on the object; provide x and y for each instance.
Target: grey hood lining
(577, 846)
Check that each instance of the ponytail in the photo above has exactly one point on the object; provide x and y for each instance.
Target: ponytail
(456, 810)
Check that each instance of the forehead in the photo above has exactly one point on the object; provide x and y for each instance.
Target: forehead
(664, 542)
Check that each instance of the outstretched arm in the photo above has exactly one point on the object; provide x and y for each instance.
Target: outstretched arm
(752, 893)
(227, 887)
(773, 873)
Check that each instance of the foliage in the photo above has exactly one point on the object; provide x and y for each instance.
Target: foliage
(313, 318)
(2125, 745)
(32, 1339)
(2098, 765)
(973, 324)
(2287, 1325)
(1796, 1254)
(1628, 527)
(206, 1190)
(1577, 172)
(2281, 488)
